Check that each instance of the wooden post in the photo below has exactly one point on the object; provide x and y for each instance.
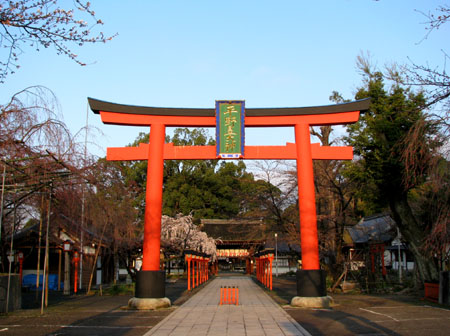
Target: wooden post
(46, 279)
(44, 296)
(270, 272)
(258, 269)
(383, 268)
(189, 272)
(193, 272)
(202, 271)
(59, 268)
(266, 272)
(372, 260)
(197, 273)
(66, 274)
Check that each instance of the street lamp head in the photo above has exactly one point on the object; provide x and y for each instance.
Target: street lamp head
(67, 246)
(276, 235)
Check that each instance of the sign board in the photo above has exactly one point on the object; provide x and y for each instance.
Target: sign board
(230, 126)
(232, 253)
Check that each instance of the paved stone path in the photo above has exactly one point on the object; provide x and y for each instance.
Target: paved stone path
(257, 314)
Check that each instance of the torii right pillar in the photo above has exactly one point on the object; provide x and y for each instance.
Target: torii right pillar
(311, 280)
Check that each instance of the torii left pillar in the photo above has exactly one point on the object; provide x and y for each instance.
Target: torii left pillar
(150, 282)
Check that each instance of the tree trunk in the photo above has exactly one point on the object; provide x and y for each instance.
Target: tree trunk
(414, 235)
(127, 260)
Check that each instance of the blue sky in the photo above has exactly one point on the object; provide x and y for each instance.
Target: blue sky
(191, 53)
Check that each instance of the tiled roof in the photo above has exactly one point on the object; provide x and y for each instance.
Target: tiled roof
(376, 228)
(234, 230)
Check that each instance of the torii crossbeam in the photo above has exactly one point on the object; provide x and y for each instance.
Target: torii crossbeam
(156, 151)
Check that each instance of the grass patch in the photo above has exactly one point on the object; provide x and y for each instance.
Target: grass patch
(119, 289)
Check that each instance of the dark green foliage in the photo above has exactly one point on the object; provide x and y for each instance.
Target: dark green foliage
(394, 159)
(379, 135)
(205, 188)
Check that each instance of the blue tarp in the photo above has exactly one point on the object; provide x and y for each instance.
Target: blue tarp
(29, 281)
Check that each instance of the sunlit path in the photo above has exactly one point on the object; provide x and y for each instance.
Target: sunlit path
(256, 314)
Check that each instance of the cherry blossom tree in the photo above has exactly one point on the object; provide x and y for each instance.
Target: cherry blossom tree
(37, 157)
(45, 24)
(179, 233)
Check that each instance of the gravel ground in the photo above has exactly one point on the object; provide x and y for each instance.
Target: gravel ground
(350, 314)
(88, 315)
(366, 314)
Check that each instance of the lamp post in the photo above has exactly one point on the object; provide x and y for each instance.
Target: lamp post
(276, 254)
(67, 246)
(20, 259)
(76, 259)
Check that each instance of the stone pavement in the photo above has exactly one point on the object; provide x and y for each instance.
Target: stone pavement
(257, 314)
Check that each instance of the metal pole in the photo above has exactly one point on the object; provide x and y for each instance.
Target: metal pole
(276, 254)
(81, 241)
(1, 209)
(82, 203)
(11, 256)
(39, 247)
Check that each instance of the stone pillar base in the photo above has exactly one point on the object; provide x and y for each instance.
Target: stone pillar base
(311, 283)
(15, 293)
(312, 302)
(148, 304)
(150, 285)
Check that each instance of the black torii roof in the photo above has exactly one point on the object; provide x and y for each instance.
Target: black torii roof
(100, 105)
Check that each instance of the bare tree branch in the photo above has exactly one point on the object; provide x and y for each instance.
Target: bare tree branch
(44, 23)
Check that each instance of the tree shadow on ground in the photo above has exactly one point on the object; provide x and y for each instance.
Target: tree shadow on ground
(345, 318)
(350, 323)
(99, 315)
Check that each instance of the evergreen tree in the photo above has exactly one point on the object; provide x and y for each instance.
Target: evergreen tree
(379, 141)
(203, 188)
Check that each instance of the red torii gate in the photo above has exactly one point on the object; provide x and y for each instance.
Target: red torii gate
(150, 280)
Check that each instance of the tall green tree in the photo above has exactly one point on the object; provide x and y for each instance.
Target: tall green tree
(379, 141)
